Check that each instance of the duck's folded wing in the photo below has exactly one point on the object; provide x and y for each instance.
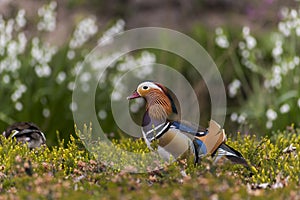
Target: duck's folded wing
(189, 128)
(214, 138)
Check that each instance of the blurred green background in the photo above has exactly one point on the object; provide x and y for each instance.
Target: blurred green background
(255, 45)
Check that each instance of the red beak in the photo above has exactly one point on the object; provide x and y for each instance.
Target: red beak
(134, 95)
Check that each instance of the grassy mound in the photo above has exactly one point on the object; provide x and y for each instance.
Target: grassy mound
(73, 173)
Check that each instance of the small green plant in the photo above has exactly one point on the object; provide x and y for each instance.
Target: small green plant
(266, 74)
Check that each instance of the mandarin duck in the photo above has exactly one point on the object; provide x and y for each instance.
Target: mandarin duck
(177, 139)
(26, 132)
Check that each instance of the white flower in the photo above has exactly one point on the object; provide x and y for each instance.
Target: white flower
(296, 60)
(284, 12)
(85, 87)
(242, 45)
(6, 79)
(116, 95)
(71, 86)
(84, 31)
(298, 31)
(48, 17)
(73, 106)
(85, 77)
(21, 88)
(12, 48)
(291, 65)
(293, 14)
(102, 114)
(219, 31)
(284, 29)
(242, 118)
(298, 102)
(43, 71)
(22, 41)
(18, 106)
(250, 41)
(136, 105)
(269, 124)
(108, 35)
(233, 87)
(246, 31)
(61, 76)
(20, 19)
(71, 54)
(222, 42)
(277, 50)
(46, 112)
(41, 55)
(143, 71)
(234, 117)
(271, 114)
(285, 108)
(221, 39)
(245, 53)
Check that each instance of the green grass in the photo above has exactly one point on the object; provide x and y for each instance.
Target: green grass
(73, 173)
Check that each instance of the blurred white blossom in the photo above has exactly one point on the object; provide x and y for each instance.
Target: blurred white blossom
(277, 50)
(47, 16)
(71, 54)
(71, 85)
(221, 39)
(250, 40)
(43, 70)
(271, 114)
(246, 48)
(233, 87)
(22, 42)
(46, 112)
(85, 87)
(269, 124)
(73, 106)
(6, 79)
(20, 90)
(41, 56)
(18, 106)
(108, 35)
(145, 61)
(234, 117)
(20, 19)
(136, 105)
(285, 108)
(85, 77)
(290, 22)
(275, 80)
(242, 118)
(61, 76)
(102, 114)
(83, 32)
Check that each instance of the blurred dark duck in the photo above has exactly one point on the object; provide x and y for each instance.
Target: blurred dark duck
(26, 132)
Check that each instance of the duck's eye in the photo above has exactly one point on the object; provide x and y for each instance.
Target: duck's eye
(145, 87)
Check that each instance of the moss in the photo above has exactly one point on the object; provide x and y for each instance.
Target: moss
(74, 173)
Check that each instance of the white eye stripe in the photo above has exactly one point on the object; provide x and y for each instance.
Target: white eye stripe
(150, 85)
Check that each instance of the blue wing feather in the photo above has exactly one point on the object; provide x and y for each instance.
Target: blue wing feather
(188, 128)
(200, 146)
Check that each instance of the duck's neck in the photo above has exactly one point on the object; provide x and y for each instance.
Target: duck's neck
(158, 106)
